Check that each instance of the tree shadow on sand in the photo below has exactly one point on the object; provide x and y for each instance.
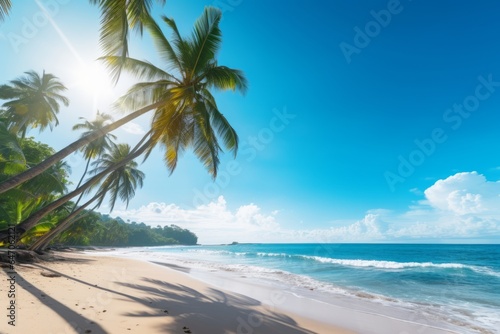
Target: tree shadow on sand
(213, 310)
(189, 310)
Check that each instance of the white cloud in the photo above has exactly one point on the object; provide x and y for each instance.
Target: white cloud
(462, 206)
(213, 222)
(465, 193)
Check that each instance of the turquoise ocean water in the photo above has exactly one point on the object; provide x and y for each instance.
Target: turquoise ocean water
(458, 283)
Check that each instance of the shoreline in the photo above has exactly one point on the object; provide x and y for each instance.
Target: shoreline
(360, 315)
(114, 294)
(103, 294)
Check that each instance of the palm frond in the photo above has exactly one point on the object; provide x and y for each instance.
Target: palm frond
(206, 39)
(206, 146)
(224, 78)
(224, 130)
(139, 68)
(117, 17)
(165, 49)
(145, 93)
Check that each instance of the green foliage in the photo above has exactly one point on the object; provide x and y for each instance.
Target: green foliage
(32, 102)
(12, 160)
(96, 229)
(121, 182)
(18, 203)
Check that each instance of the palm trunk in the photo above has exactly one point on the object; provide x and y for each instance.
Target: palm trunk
(45, 240)
(47, 163)
(80, 183)
(31, 221)
(84, 173)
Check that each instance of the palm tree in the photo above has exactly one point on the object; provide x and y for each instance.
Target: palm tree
(186, 113)
(120, 183)
(33, 220)
(33, 102)
(117, 17)
(194, 60)
(4, 8)
(71, 148)
(191, 117)
(97, 147)
(185, 109)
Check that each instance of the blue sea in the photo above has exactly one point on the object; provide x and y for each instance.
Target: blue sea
(459, 284)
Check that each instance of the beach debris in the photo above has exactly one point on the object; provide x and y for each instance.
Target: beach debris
(165, 311)
(88, 331)
(49, 274)
(186, 330)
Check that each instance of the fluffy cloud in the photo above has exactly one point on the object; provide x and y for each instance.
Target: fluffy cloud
(213, 222)
(465, 193)
(462, 206)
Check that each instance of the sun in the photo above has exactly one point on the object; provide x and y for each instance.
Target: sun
(94, 79)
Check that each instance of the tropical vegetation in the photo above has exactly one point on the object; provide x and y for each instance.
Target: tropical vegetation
(185, 116)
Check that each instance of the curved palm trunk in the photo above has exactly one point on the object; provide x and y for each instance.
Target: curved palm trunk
(80, 183)
(47, 163)
(31, 221)
(45, 240)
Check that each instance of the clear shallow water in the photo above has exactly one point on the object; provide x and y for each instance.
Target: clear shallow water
(459, 284)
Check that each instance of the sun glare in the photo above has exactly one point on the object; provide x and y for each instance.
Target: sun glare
(93, 79)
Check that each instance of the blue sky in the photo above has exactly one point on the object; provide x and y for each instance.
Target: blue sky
(366, 121)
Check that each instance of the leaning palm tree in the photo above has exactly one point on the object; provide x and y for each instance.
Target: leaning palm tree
(34, 218)
(190, 116)
(186, 114)
(182, 97)
(194, 60)
(33, 101)
(121, 183)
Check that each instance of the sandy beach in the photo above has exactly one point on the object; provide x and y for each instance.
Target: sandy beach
(98, 294)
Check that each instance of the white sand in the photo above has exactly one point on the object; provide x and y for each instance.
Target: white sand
(116, 295)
